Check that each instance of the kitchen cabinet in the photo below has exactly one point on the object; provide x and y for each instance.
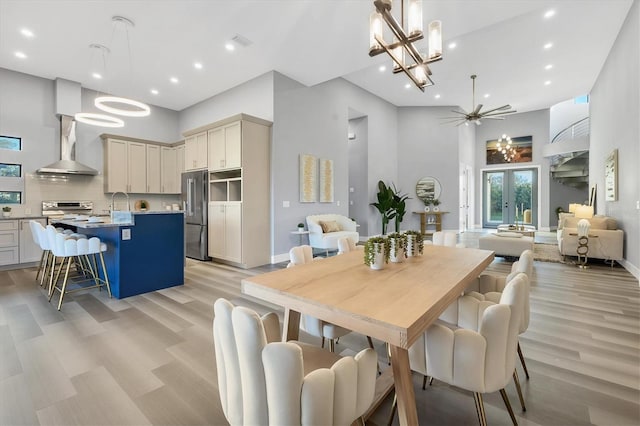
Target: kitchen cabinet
(9, 250)
(179, 164)
(225, 147)
(170, 175)
(225, 231)
(195, 153)
(29, 250)
(154, 185)
(125, 166)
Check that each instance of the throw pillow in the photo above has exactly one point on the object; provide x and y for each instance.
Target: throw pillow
(509, 234)
(330, 226)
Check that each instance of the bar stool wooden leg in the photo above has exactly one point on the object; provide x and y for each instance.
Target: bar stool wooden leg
(64, 282)
(104, 271)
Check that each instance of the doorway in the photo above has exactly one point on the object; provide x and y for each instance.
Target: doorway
(510, 195)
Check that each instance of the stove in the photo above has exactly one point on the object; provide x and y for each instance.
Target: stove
(58, 209)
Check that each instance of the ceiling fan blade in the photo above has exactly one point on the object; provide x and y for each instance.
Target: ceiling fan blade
(493, 118)
(499, 113)
(457, 120)
(503, 107)
(459, 112)
(477, 110)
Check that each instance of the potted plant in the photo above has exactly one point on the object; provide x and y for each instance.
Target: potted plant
(300, 227)
(6, 211)
(436, 203)
(376, 252)
(427, 203)
(415, 243)
(397, 247)
(399, 206)
(385, 205)
(143, 205)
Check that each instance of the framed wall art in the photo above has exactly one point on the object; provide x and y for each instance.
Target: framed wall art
(520, 151)
(611, 176)
(308, 178)
(326, 181)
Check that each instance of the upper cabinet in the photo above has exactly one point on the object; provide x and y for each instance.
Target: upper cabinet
(141, 167)
(195, 154)
(225, 147)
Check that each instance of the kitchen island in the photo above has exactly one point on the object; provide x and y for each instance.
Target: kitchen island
(142, 256)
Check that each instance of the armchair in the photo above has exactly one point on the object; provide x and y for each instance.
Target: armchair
(327, 237)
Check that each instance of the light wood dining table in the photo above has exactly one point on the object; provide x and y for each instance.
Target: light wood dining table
(394, 305)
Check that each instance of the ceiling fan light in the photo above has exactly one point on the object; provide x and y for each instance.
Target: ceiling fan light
(375, 29)
(415, 17)
(435, 39)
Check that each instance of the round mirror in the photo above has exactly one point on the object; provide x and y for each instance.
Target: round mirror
(428, 189)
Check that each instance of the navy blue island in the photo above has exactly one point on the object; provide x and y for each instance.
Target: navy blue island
(142, 256)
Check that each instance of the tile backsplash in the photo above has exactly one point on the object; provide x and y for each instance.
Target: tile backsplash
(71, 188)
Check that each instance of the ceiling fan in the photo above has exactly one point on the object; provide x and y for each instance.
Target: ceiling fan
(475, 115)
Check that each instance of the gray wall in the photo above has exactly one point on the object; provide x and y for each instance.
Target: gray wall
(358, 172)
(535, 124)
(254, 97)
(561, 196)
(314, 120)
(615, 124)
(428, 148)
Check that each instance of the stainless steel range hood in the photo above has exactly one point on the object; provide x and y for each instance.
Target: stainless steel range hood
(67, 164)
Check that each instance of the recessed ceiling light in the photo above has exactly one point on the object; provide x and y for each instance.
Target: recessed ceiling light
(548, 67)
(154, 91)
(382, 68)
(20, 55)
(437, 96)
(548, 82)
(174, 80)
(549, 13)
(407, 86)
(486, 95)
(229, 46)
(27, 32)
(548, 45)
(96, 75)
(452, 45)
(197, 65)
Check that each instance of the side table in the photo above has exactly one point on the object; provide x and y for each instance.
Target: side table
(300, 234)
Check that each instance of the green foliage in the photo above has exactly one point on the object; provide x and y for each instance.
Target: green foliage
(6, 209)
(376, 245)
(417, 235)
(301, 225)
(399, 205)
(435, 202)
(398, 242)
(385, 204)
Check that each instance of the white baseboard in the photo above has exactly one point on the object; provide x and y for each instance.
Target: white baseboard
(279, 258)
(633, 269)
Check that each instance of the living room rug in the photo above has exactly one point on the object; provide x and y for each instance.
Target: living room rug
(546, 252)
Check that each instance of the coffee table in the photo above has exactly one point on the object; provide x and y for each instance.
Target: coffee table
(526, 230)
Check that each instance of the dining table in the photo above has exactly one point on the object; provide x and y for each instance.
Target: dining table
(394, 305)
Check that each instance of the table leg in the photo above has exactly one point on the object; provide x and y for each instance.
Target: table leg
(407, 412)
(291, 325)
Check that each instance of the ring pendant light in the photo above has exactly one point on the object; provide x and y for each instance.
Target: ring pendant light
(103, 101)
(98, 119)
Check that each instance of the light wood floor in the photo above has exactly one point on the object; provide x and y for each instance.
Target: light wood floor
(149, 359)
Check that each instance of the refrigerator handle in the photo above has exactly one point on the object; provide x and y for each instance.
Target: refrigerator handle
(189, 197)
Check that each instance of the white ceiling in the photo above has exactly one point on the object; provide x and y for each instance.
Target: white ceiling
(313, 41)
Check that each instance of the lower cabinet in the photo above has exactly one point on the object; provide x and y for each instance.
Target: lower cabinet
(16, 242)
(225, 231)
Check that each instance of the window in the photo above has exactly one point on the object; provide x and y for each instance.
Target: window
(10, 170)
(10, 143)
(10, 197)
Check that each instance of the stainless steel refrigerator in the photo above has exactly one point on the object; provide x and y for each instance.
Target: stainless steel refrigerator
(195, 195)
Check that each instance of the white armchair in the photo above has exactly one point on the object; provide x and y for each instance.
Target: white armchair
(328, 240)
(479, 356)
(447, 239)
(261, 382)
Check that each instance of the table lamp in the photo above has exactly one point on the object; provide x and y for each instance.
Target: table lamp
(583, 211)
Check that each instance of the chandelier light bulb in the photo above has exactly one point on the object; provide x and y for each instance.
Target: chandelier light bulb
(375, 29)
(421, 74)
(435, 39)
(415, 17)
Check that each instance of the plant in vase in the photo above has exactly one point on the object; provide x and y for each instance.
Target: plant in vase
(427, 204)
(399, 205)
(300, 227)
(6, 211)
(436, 203)
(376, 252)
(397, 246)
(385, 204)
(415, 243)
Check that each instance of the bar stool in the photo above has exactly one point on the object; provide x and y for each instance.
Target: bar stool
(83, 253)
(35, 234)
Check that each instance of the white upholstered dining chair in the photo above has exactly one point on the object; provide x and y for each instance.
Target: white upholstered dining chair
(347, 245)
(490, 287)
(447, 239)
(265, 382)
(477, 352)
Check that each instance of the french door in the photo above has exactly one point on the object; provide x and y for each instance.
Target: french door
(507, 192)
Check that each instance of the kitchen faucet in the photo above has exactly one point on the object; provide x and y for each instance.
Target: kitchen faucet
(112, 206)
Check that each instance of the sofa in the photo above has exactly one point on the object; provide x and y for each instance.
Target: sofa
(605, 239)
(326, 229)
